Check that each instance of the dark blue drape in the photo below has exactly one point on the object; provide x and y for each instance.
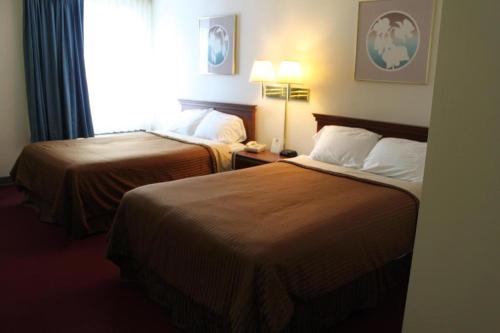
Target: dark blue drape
(58, 98)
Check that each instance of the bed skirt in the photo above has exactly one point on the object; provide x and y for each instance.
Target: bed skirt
(318, 315)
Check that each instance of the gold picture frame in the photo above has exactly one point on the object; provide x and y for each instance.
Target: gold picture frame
(218, 44)
(394, 41)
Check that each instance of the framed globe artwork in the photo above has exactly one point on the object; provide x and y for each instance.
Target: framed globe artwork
(217, 45)
(394, 38)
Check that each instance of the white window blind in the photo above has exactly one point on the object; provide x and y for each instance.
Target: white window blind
(118, 57)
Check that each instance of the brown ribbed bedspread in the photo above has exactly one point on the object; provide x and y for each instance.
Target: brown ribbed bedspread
(81, 182)
(248, 243)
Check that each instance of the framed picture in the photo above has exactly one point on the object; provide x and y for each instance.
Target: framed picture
(394, 38)
(217, 45)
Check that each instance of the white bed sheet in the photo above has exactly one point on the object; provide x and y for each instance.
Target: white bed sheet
(413, 187)
(223, 152)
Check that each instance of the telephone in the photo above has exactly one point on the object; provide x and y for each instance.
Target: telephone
(254, 147)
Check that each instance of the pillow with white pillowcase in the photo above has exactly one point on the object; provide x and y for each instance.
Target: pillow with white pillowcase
(221, 127)
(397, 158)
(344, 146)
(186, 122)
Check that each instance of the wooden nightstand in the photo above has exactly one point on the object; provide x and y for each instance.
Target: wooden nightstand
(244, 159)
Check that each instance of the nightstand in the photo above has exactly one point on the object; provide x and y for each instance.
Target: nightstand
(244, 159)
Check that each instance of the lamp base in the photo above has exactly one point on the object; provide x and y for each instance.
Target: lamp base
(288, 153)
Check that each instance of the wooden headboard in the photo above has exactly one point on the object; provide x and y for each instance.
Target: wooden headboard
(245, 112)
(393, 130)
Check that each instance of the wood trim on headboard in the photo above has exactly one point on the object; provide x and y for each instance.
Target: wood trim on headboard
(244, 111)
(392, 130)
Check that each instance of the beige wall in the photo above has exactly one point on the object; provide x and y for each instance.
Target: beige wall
(14, 133)
(455, 279)
(321, 34)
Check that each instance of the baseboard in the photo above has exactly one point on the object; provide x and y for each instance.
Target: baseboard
(6, 181)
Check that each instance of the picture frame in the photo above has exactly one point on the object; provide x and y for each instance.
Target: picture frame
(218, 44)
(394, 41)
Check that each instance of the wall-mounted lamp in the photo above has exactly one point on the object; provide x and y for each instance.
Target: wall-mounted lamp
(262, 71)
(289, 73)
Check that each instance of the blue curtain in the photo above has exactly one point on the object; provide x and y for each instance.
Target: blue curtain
(58, 99)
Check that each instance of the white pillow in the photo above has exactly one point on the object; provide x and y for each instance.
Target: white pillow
(221, 127)
(187, 121)
(397, 158)
(345, 146)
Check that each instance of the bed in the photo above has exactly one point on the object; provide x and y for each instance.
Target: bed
(79, 183)
(291, 246)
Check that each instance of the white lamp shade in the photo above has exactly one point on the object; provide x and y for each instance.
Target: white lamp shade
(290, 72)
(262, 71)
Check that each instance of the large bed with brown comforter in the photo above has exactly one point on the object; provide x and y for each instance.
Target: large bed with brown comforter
(287, 246)
(79, 183)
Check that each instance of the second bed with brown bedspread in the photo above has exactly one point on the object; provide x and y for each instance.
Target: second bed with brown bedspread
(79, 183)
(241, 252)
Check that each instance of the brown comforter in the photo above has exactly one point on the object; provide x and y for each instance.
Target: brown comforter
(79, 183)
(249, 244)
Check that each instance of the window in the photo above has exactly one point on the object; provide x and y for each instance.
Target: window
(118, 57)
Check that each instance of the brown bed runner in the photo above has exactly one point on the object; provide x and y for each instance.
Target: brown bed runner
(247, 243)
(81, 182)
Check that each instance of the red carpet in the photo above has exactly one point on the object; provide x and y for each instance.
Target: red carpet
(50, 283)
